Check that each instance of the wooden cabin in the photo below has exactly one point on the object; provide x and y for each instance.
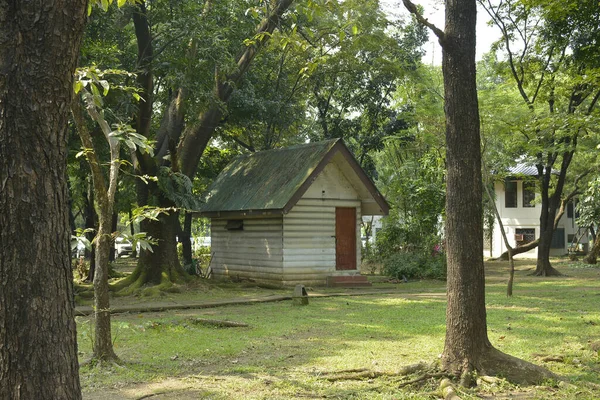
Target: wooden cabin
(291, 216)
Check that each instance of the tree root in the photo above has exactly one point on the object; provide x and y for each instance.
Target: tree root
(515, 370)
(423, 378)
(448, 390)
(362, 373)
(217, 323)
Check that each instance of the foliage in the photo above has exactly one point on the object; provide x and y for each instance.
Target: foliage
(589, 205)
(178, 188)
(414, 265)
(541, 91)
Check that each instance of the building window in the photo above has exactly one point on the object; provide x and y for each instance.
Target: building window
(528, 194)
(235, 225)
(558, 239)
(524, 235)
(570, 209)
(510, 194)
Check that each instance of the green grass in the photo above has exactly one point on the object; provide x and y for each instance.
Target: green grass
(287, 349)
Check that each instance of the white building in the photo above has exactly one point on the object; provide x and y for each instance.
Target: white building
(292, 215)
(519, 207)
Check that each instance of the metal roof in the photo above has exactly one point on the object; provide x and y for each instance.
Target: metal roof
(523, 169)
(273, 181)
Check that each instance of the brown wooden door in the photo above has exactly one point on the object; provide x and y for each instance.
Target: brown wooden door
(345, 238)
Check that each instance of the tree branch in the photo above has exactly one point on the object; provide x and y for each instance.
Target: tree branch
(412, 8)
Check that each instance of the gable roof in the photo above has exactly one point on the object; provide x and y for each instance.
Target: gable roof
(272, 181)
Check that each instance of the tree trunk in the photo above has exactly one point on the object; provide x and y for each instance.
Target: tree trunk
(159, 267)
(543, 266)
(466, 330)
(511, 274)
(113, 228)
(590, 258)
(91, 219)
(185, 237)
(467, 347)
(39, 45)
(520, 249)
(132, 232)
(103, 347)
(104, 192)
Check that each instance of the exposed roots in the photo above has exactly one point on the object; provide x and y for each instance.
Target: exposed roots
(428, 370)
(136, 283)
(546, 271)
(515, 370)
(494, 368)
(106, 361)
(217, 323)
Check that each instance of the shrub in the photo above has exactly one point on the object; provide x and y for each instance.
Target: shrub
(414, 265)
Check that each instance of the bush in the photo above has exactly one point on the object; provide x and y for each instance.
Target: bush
(415, 265)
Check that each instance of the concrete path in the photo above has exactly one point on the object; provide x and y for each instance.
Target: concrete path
(158, 306)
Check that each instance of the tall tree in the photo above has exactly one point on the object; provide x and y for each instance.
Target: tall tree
(552, 56)
(39, 45)
(181, 137)
(467, 347)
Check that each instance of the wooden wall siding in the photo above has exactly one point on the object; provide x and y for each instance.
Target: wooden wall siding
(255, 252)
(309, 229)
(309, 243)
(331, 184)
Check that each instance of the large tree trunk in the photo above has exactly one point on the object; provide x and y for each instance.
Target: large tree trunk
(467, 347)
(466, 330)
(543, 266)
(161, 265)
(547, 225)
(39, 44)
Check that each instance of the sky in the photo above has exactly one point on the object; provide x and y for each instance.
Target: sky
(434, 12)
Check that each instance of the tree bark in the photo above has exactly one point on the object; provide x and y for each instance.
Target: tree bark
(466, 327)
(91, 219)
(132, 233)
(185, 238)
(39, 45)
(112, 254)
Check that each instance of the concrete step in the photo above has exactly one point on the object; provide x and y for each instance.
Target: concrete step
(348, 281)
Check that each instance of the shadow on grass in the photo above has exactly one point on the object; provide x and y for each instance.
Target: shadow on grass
(286, 349)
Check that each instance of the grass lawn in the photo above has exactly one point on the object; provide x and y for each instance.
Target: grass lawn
(290, 351)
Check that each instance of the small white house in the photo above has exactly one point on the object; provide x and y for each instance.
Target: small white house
(520, 212)
(291, 215)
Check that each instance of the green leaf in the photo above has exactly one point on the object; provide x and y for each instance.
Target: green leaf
(105, 86)
(77, 86)
(121, 3)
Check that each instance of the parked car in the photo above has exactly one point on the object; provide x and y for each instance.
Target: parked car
(123, 247)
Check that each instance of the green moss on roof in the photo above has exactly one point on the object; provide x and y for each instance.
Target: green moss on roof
(266, 180)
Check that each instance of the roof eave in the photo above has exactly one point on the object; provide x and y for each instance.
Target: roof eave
(240, 213)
